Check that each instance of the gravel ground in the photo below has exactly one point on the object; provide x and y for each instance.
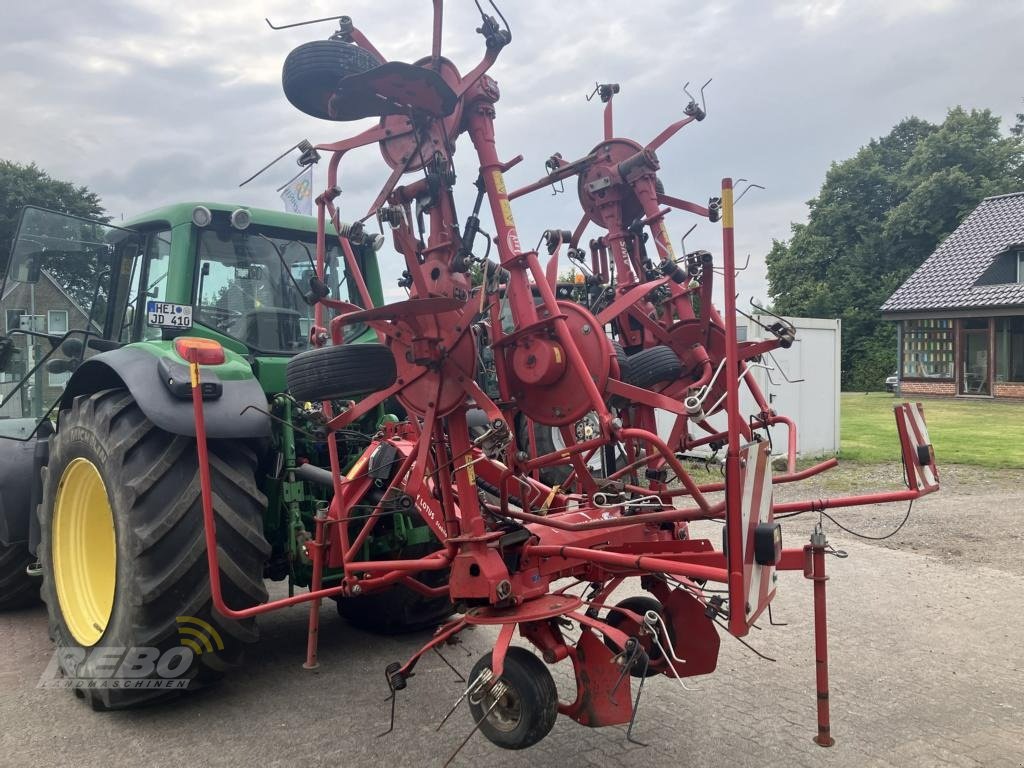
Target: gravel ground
(926, 659)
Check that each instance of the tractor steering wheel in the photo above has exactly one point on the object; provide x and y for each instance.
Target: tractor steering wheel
(221, 316)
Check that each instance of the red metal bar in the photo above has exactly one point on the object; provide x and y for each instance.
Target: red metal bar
(680, 471)
(817, 575)
(669, 132)
(313, 632)
(619, 560)
(665, 516)
(437, 561)
(790, 442)
(792, 477)
(733, 491)
(814, 505)
(435, 47)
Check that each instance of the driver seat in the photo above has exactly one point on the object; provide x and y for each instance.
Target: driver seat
(271, 329)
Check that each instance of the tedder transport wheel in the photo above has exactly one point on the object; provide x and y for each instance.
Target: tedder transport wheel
(312, 71)
(344, 371)
(123, 554)
(653, 366)
(17, 588)
(399, 609)
(639, 604)
(525, 713)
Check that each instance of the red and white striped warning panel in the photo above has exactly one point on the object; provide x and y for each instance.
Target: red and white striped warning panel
(756, 509)
(918, 455)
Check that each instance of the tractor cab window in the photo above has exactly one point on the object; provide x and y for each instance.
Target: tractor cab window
(148, 281)
(251, 285)
(59, 295)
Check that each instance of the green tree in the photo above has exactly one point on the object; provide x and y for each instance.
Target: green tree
(878, 215)
(22, 185)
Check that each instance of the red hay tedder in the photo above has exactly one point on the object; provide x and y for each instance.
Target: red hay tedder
(496, 363)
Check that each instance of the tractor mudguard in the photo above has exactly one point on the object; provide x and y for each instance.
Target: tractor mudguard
(137, 370)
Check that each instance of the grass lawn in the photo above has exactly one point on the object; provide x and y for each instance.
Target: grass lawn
(981, 432)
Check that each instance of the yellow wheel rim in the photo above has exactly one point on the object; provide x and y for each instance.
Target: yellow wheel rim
(84, 551)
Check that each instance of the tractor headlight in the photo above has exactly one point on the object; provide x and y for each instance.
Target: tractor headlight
(241, 218)
(201, 216)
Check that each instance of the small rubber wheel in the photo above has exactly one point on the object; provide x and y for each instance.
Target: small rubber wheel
(639, 604)
(623, 358)
(312, 72)
(653, 366)
(525, 712)
(343, 371)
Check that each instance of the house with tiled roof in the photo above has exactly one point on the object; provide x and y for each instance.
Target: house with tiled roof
(960, 316)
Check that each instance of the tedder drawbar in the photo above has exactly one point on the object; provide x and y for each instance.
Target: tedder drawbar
(504, 373)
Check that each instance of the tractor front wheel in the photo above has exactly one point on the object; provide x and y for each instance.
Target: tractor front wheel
(520, 708)
(398, 609)
(17, 588)
(125, 575)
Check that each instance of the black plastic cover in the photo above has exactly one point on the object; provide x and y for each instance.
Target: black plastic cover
(767, 543)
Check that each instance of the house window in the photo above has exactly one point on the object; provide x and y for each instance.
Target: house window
(928, 349)
(1020, 266)
(57, 379)
(57, 322)
(1010, 349)
(14, 319)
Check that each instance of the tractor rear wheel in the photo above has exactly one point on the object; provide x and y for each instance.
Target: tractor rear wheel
(124, 557)
(526, 709)
(17, 588)
(549, 439)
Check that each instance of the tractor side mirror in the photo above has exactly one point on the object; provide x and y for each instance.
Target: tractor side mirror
(61, 365)
(72, 347)
(6, 352)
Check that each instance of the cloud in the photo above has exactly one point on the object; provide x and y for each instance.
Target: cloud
(149, 102)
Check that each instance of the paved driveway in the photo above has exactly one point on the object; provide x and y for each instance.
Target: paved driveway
(927, 669)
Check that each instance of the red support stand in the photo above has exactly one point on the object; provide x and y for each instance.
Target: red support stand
(815, 571)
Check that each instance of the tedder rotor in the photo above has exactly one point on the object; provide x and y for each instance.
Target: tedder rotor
(486, 353)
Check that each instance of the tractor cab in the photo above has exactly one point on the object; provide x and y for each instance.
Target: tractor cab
(75, 288)
(61, 302)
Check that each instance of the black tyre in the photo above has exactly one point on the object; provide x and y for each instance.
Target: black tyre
(653, 366)
(312, 71)
(544, 437)
(526, 712)
(17, 588)
(638, 604)
(344, 371)
(129, 492)
(623, 358)
(399, 609)
(549, 439)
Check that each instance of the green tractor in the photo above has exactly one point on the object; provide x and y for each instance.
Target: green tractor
(100, 508)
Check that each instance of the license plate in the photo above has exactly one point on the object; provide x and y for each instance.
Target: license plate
(162, 314)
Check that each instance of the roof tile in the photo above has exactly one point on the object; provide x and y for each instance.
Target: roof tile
(946, 279)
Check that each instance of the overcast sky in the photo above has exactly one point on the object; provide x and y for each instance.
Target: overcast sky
(149, 101)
